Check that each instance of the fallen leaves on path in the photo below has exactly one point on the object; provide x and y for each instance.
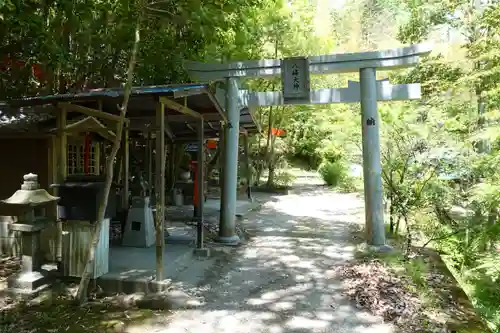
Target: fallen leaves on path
(374, 287)
(9, 266)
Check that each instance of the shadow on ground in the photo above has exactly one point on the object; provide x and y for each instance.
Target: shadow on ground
(283, 280)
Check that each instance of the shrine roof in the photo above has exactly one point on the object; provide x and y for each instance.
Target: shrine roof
(103, 93)
(37, 111)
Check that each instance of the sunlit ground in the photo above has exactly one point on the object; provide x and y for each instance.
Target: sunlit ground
(283, 281)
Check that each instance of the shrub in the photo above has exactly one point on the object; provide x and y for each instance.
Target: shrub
(333, 173)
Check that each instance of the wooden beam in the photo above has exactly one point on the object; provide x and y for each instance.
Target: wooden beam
(173, 105)
(217, 106)
(168, 131)
(160, 189)
(126, 167)
(174, 117)
(190, 127)
(210, 125)
(200, 196)
(25, 135)
(149, 161)
(147, 128)
(90, 112)
(248, 169)
(62, 170)
(90, 124)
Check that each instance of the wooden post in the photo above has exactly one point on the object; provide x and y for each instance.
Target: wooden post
(248, 168)
(149, 161)
(201, 185)
(126, 170)
(160, 189)
(171, 166)
(62, 171)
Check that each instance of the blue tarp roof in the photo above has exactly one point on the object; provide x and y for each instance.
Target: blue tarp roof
(106, 92)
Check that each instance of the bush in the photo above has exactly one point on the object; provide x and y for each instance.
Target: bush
(333, 173)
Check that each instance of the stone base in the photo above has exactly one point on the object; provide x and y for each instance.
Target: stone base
(202, 253)
(28, 283)
(376, 248)
(143, 282)
(230, 241)
(159, 286)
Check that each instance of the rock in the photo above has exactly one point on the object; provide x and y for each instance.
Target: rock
(123, 301)
(221, 250)
(459, 214)
(170, 300)
(115, 326)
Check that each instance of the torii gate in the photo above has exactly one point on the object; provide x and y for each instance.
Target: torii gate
(296, 90)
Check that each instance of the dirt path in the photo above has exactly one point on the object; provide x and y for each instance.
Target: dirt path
(282, 281)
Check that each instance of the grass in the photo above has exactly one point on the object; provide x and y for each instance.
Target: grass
(428, 275)
(60, 314)
(484, 294)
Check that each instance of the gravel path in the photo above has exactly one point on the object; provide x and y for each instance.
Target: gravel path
(282, 281)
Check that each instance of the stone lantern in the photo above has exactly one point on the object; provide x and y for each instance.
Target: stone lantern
(27, 206)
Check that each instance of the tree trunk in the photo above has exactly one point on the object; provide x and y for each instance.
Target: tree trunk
(409, 236)
(396, 228)
(84, 282)
(270, 142)
(391, 215)
(271, 164)
(269, 138)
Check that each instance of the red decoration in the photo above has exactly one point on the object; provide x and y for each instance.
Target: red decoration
(37, 71)
(211, 144)
(278, 131)
(7, 63)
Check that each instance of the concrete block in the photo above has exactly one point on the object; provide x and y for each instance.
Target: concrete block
(139, 229)
(132, 283)
(203, 252)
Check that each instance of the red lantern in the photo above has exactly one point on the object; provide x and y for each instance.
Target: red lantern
(278, 131)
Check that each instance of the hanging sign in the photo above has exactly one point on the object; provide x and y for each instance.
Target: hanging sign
(192, 147)
(295, 80)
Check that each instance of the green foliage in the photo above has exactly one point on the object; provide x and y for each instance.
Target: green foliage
(284, 178)
(85, 44)
(435, 74)
(462, 99)
(333, 173)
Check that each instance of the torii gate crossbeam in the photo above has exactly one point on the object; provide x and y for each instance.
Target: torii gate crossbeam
(368, 91)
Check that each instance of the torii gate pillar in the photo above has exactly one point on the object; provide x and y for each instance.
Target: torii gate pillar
(372, 170)
(296, 90)
(227, 221)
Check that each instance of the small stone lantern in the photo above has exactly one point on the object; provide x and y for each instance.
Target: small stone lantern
(28, 205)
